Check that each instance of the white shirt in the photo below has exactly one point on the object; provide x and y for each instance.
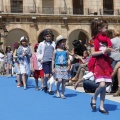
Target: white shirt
(41, 48)
(116, 46)
(1, 57)
(39, 63)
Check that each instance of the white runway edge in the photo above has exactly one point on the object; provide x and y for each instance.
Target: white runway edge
(109, 96)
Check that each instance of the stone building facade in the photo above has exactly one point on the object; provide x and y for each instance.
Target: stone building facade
(70, 18)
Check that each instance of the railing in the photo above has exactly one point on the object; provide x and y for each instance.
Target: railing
(103, 12)
(59, 10)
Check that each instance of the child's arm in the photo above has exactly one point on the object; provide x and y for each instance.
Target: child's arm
(40, 51)
(32, 65)
(80, 57)
(69, 63)
(97, 53)
(14, 54)
(29, 53)
(53, 61)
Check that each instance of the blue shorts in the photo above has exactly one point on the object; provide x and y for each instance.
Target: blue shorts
(47, 67)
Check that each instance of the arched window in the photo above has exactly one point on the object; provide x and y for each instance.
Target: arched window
(78, 7)
(108, 7)
(48, 6)
(16, 6)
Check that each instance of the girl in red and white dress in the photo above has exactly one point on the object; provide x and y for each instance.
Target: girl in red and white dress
(100, 63)
(37, 68)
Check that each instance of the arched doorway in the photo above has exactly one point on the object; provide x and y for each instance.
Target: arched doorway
(78, 35)
(14, 36)
(41, 38)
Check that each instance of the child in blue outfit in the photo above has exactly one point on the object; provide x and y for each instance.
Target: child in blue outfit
(60, 65)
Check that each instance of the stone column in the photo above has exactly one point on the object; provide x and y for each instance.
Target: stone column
(33, 36)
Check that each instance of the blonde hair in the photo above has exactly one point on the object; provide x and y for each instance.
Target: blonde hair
(117, 33)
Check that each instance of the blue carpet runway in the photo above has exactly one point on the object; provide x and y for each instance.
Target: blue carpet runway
(19, 104)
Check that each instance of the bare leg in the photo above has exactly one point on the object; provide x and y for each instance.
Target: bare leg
(24, 81)
(10, 70)
(77, 73)
(7, 69)
(50, 87)
(58, 86)
(82, 72)
(36, 81)
(102, 98)
(63, 89)
(117, 66)
(118, 76)
(118, 91)
(42, 81)
(79, 81)
(98, 91)
(18, 78)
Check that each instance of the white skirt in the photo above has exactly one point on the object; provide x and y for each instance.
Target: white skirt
(25, 69)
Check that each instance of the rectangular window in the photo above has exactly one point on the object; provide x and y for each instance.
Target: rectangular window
(78, 7)
(16, 6)
(48, 6)
(108, 7)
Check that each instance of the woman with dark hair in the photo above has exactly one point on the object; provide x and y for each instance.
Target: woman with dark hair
(78, 49)
(16, 63)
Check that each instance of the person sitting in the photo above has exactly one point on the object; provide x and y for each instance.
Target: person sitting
(83, 66)
(115, 56)
(116, 70)
(78, 49)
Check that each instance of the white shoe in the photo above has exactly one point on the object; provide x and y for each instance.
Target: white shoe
(109, 88)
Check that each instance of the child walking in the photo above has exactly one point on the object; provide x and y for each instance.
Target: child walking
(60, 65)
(45, 51)
(37, 68)
(24, 54)
(9, 61)
(100, 63)
(16, 64)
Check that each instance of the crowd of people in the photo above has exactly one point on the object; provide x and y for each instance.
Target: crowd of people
(52, 61)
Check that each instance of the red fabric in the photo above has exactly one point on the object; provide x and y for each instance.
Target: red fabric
(100, 65)
(36, 45)
(101, 38)
(38, 73)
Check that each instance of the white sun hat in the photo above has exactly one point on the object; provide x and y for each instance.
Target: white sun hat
(59, 38)
(23, 38)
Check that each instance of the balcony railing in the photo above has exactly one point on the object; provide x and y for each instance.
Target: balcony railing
(59, 10)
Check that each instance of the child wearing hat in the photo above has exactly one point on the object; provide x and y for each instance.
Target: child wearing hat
(37, 68)
(45, 51)
(61, 65)
(24, 55)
